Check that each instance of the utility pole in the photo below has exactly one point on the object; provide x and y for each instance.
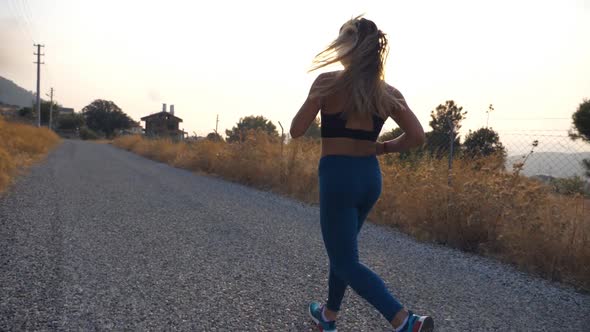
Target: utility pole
(216, 123)
(50, 108)
(39, 63)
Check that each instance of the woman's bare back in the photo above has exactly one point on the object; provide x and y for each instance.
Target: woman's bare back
(337, 103)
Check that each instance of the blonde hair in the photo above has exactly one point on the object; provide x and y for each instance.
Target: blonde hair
(363, 49)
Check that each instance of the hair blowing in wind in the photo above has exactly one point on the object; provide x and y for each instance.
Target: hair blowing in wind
(362, 49)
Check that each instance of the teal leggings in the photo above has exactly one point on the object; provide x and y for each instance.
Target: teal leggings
(349, 187)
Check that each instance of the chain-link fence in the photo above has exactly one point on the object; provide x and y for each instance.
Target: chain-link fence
(550, 156)
(555, 155)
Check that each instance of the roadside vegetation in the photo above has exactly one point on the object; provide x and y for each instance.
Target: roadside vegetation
(101, 119)
(477, 206)
(20, 146)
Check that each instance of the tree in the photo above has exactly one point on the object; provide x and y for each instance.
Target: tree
(314, 130)
(70, 121)
(392, 134)
(586, 164)
(239, 132)
(483, 142)
(45, 107)
(87, 134)
(105, 116)
(26, 112)
(31, 112)
(446, 116)
(444, 120)
(581, 122)
(438, 144)
(213, 136)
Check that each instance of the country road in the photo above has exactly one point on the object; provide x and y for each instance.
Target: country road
(97, 238)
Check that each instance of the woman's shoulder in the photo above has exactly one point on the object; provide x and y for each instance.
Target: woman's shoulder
(323, 82)
(328, 75)
(391, 89)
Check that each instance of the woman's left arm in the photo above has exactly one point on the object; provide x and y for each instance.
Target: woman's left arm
(307, 113)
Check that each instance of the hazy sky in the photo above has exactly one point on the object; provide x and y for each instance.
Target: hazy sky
(531, 59)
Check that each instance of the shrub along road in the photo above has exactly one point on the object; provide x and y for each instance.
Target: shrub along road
(97, 238)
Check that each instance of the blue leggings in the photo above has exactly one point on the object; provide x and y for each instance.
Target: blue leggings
(349, 187)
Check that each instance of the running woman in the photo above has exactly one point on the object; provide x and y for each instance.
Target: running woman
(354, 103)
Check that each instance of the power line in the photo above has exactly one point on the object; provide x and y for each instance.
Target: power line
(25, 32)
(529, 119)
(24, 11)
(26, 17)
(533, 135)
(532, 130)
(25, 21)
(28, 10)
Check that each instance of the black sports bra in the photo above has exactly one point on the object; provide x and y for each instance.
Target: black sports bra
(334, 125)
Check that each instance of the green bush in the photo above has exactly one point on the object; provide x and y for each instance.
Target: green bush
(88, 134)
(569, 186)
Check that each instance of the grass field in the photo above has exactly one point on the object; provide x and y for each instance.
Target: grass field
(21, 145)
(483, 209)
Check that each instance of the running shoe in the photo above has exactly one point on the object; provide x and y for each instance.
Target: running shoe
(419, 323)
(315, 312)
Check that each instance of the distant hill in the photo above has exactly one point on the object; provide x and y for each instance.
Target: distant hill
(12, 94)
(555, 164)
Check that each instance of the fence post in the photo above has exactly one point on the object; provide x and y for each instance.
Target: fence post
(451, 148)
(281, 161)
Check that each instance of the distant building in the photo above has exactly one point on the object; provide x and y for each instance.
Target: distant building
(11, 113)
(163, 124)
(135, 129)
(65, 110)
(8, 110)
(195, 138)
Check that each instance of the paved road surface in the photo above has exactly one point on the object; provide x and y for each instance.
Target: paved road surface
(96, 238)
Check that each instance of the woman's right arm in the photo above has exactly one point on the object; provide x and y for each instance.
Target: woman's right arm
(413, 135)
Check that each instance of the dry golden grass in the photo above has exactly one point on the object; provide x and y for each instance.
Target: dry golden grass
(20, 146)
(484, 209)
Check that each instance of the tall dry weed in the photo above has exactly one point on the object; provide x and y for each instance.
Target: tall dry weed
(20, 146)
(482, 209)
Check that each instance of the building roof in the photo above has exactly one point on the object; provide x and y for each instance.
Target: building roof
(168, 116)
